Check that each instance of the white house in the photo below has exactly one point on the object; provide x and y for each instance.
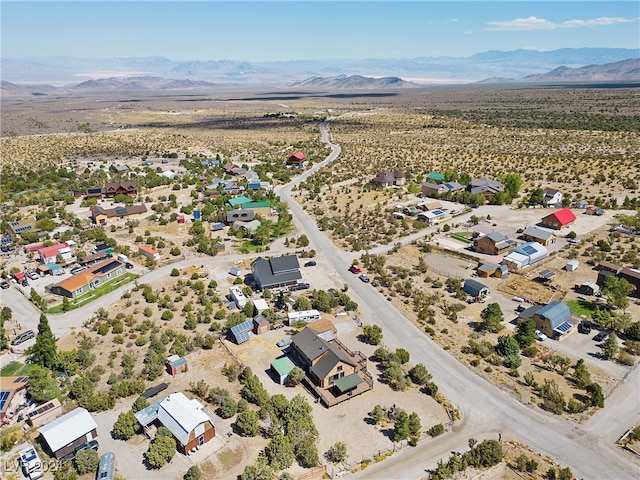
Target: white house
(552, 197)
(525, 255)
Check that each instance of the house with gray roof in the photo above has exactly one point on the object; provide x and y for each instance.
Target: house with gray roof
(552, 319)
(276, 272)
(496, 243)
(485, 187)
(535, 234)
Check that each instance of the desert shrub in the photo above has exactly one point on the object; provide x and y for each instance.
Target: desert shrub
(436, 430)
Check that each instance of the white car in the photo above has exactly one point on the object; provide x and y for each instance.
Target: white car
(540, 336)
(33, 275)
(454, 212)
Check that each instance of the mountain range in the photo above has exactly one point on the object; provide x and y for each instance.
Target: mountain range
(515, 64)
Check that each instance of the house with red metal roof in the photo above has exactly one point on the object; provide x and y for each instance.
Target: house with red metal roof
(296, 159)
(50, 254)
(559, 219)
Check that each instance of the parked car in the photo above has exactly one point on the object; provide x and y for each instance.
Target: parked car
(521, 308)
(25, 282)
(299, 286)
(128, 265)
(518, 299)
(33, 275)
(601, 336)
(540, 336)
(77, 269)
(4, 285)
(23, 337)
(584, 327)
(310, 263)
(454, 212)
(364, 278)
(354, 269)
(93, 444)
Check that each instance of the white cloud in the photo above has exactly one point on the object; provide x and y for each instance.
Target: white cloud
(535, 23)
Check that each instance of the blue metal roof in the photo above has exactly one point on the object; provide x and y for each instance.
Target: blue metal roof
(556, 313)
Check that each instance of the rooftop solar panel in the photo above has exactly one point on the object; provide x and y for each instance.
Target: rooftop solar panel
(528, 249)
(121, 211)
(20, 380)
(564, 327)
(4, 396)
(13, 224)
(4, 241)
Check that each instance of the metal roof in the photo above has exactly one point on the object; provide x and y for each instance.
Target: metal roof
(181, 415)
(241, 331)
(348, 383)
(67, 428)
(282, 366)
(556, 313)
(547, 274)
(563, 328)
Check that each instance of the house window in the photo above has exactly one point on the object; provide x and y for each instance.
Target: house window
(79, 290)
(340, 368)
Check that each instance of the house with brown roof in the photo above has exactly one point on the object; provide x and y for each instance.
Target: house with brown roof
(101, 216)
(485, 187)
(335, 372)
(121, 187)
(496, 243)
(89, 279)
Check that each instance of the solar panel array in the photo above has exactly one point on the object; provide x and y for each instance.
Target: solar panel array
(40, 409)
(4, 396)
(6, 240)
(564, 327)
(241, 331)
(547, 274)
(13, 224)
(120, 211)
(528, 249)
(21, 380)
(23, 229)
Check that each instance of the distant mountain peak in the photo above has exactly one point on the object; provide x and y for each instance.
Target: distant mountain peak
(354, 82)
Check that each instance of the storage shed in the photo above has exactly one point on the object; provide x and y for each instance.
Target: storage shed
(281, 368)
(572, 265)
(475, 288)
(176, 364)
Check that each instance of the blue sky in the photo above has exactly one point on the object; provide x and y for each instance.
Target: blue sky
(295, 30)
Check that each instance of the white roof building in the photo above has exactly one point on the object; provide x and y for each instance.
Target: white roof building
(525, 255)
(68, 428)
(260, 304)
(182, 416)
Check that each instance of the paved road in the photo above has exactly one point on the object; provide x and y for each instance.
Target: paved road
(486, 409)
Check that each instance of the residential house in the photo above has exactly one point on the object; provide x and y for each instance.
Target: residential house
(534, 234)
(475, 288)
(50, 254)
(69, 431)
(552, 197)
(18, 227)
(237, 214)
(185, 418)
(435, 177)
(276, 272)
(552, 319)
(324, 362)
(93, 258)
(432, 217)
(229, 167)
(485, 187)
(94, 192)
(453, 187)
(559, 219)
(259, 208)
(89, 279)
(101, 216)
(389, 179)
(496, 243)
(430, 189)
(10, 397)
(120, 168)
(489, 269)
(238, 202)
(121, 187)
(525, 255)
(297, 159)
(249, 227)
(631, 275)
(148, 252)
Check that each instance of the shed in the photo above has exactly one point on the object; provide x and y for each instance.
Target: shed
(44, 413)
(281, 367)
(487, 269)
(475, 288)
(235, 271)
(176, 364)
(261, 324)
(260, 305)
(572, 265)
(588, 288)
(64, 434)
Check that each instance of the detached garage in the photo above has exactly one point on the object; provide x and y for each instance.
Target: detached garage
(73, 429)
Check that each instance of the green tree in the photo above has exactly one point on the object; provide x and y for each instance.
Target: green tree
(486, 454)
(260, 470)
(633, 331)
(247, 423)
(372, 334)
(377, 414)
(526, 332)
(492, 318)
(507, 346)
(537, 196)
(161, 450)
(296, 375)
(610, 347)
(279, 452)
(414, 424)
(595, 394)
(401, 429)
(193, 473)
(87, 461)
(43, 351)
(581, 376)
(419, 374)
(302, 303)
(617, 291)
(42, 386)
(337, 453)
(126, 426)
(139, 404)
(307, 452)
(512, 183)
(402, 355)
